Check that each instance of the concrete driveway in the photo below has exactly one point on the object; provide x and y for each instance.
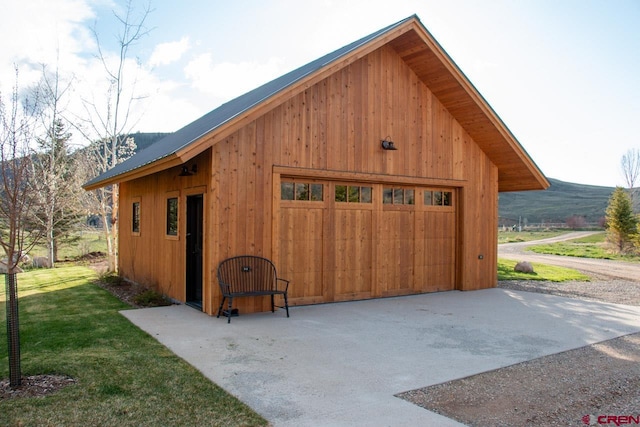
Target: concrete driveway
(341, 364)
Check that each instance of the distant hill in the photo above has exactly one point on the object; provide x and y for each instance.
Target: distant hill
(555, 204)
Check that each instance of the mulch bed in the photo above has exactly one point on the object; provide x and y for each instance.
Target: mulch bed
(35, 386)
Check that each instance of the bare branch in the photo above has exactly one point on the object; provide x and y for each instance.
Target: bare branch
(111, 121)
(630, 165)
(17, 201)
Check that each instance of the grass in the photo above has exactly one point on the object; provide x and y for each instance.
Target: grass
(541, 272)
(89, 240)
(70, 326)
(594, 246)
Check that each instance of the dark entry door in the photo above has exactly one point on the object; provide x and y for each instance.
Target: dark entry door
(194, 250)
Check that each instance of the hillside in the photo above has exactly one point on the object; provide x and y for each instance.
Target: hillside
(555, 204)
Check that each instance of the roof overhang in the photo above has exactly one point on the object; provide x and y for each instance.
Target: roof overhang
(422, 53)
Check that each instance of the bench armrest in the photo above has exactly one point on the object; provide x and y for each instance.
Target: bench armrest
(286, 282)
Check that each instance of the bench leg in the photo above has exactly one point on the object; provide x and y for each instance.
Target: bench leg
(286, 304)
(273, 307)
(229, 312)
(220, 308)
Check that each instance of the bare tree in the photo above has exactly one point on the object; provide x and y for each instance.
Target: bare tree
(576, 221)
(56, 182)
(17, 204)
(630, 166)
(112, 121)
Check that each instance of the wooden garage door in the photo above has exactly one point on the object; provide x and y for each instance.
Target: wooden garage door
(350, 241)
(301, 243)
(416, 240)
(350, 267)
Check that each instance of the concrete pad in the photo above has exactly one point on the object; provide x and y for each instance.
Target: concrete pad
(341, 364)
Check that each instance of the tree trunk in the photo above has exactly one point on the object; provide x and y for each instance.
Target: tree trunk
(106, 228)
(115, 211)
(13, 328)
(51, 245)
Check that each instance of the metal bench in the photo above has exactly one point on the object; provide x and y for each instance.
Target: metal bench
(247, 275)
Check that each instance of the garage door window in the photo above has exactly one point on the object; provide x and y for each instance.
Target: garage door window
(398, 196)
(304, 191)
(438, 198)
(353, 194)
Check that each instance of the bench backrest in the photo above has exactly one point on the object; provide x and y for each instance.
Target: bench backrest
(246, 274)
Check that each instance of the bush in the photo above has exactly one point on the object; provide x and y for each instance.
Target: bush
(110, 278)
(151, 298)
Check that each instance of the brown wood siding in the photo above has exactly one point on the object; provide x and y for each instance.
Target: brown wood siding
(152, 258)
(336, 126)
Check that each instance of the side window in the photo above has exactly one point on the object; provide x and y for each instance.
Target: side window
(135, 217)
(172, 216)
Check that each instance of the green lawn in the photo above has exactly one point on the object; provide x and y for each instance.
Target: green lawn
(594, 246)
(88, 240)
(541, 272)
(124, 377)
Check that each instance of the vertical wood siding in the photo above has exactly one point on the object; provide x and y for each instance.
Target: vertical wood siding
(152, 258)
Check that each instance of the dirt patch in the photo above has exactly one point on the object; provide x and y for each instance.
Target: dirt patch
(123, 290)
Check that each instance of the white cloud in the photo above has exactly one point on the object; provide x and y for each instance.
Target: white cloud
(42, 32)
(167, 53)
(228, 80)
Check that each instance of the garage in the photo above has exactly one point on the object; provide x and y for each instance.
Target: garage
(372, 171)
(343, 241)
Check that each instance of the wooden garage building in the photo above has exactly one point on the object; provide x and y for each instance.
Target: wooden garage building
(373, 171)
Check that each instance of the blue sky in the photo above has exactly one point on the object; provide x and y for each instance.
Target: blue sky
(562, 74)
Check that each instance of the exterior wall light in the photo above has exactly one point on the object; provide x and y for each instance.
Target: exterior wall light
(387, 144)
(186, 172)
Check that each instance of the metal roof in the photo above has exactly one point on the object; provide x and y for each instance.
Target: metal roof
(178, 140)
